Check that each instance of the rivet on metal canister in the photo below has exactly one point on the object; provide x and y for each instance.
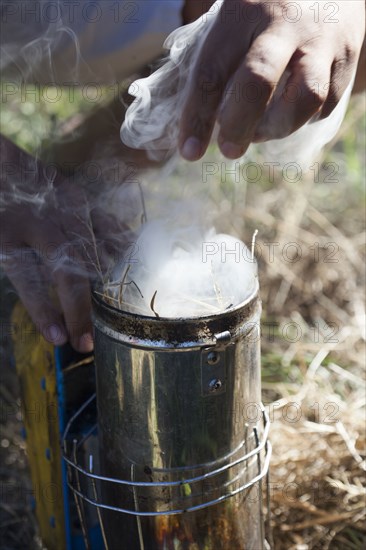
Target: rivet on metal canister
(215, 384)
(213, 358)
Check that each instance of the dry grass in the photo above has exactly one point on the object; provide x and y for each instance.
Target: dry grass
(314, 370)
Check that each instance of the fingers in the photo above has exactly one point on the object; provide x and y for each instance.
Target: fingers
(74, 295)
(70, 277)
(315, 85)
(199, 113)
(341, 75)
(265, 81)
(303, 95)
(25, 275)
(239, 105)
(254, 84)
(66, 270)
(217, 61)
(39, 244)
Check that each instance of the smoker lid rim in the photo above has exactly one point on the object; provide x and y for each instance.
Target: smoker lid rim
(175, 332)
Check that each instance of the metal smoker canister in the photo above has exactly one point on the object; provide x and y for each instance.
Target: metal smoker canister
(180, 425)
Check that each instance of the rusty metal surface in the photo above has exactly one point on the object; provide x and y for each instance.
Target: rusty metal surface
(174, 333)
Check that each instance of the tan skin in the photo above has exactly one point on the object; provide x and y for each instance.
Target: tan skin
(321, 55)
(249, 56)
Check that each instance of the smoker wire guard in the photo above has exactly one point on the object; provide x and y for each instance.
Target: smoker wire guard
(77, 474)
(76, 469)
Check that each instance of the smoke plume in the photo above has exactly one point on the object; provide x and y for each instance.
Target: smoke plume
(176, 276)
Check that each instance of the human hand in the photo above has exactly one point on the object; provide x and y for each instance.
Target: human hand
(266, 68)
(49, 244)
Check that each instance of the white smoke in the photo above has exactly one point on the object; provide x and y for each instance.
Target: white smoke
(179, 266)
(184, 273)
(152, 120)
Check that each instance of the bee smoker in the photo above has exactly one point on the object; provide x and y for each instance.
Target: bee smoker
(182, 432)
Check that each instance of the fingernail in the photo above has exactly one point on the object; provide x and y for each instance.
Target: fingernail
(56, 335)
(86, 344)
(192, 149)
(232, 150)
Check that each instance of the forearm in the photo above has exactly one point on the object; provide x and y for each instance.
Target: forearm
(97, 137)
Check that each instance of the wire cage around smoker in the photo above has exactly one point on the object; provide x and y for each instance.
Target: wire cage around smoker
(184, 457)
(177, 459)
(195, 488)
